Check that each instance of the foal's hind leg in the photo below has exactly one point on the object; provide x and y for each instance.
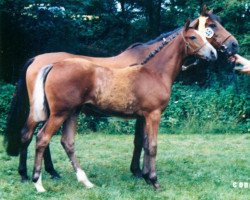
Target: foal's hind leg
(138, 144)
(43, 139)
(26, 137)
(67, 141)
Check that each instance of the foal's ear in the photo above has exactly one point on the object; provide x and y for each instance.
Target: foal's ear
(186, 26)
(204, 10)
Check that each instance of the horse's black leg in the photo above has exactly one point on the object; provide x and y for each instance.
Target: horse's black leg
(138, 144)
(22, 169)
(49, 167)
(26, 137)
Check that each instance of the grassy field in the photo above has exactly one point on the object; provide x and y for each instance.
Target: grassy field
(189, 167)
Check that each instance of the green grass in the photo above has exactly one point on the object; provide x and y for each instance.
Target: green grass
(188, 166)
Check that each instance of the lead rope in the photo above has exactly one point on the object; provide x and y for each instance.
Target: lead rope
(185, 67)
(235, 77)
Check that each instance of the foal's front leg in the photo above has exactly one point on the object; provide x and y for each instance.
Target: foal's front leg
(150, 147)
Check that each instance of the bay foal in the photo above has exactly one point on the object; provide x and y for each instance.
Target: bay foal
(132, 92)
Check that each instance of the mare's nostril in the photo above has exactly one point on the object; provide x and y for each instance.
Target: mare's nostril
(223, 48)
(234, 45)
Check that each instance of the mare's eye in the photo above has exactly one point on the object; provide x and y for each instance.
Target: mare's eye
(212, 25)
(192, 38)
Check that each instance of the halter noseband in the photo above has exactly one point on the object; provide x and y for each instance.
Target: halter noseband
(188, 46)
(222, 45)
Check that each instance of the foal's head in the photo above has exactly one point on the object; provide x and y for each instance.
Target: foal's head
(216, 34)
(196, 43)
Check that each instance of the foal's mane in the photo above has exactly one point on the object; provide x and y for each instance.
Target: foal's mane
(164, 37)
(158, 39)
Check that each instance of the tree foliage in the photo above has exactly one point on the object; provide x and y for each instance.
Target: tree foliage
(102, 28)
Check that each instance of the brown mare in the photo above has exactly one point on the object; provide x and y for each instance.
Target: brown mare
(62, 89)
(18, 142)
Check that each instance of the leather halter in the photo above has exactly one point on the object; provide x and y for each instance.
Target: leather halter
(222, 44)
(188, 46)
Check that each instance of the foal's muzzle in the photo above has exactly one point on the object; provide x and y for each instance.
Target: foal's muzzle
(213, 55)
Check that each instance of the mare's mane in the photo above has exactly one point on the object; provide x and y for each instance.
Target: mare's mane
(214, 17)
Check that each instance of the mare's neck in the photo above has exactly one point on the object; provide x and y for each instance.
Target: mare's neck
(167, 63)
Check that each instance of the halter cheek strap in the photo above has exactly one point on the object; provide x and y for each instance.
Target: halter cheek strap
(224, 41)
(219, 44)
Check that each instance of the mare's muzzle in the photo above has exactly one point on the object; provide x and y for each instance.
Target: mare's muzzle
(230, 47)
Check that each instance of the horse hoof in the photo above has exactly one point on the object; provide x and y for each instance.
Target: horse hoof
(89, 185)
(24, 179)
(41, 190)
(38, 184)
(152, 181)
(137, 173)
(157, 186)
(146, 178)
(54, 175)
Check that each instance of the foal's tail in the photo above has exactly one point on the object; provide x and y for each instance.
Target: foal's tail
(40, 105)
(18, 113)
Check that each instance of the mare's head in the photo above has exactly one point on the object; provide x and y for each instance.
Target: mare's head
(196, 43)
(216, 34)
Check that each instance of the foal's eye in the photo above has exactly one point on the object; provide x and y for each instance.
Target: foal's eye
(212, 25)
(192, 38)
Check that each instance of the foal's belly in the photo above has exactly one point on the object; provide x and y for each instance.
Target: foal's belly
(114, 91)
(90, 109)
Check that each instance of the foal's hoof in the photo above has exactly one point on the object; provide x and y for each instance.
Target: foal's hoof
(152, 181)
(157, 186)
(38, 183)
(146, 178)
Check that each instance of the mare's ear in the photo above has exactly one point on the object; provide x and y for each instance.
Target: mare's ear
(194, 24)
(186, 26)
(204, 10)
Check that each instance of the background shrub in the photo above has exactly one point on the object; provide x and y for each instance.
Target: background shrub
(6, 92)
(192, 109)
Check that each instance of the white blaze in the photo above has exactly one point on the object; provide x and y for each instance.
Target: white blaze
(202, 25)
